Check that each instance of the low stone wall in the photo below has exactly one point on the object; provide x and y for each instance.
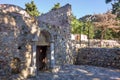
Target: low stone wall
(97, 43)
(103, 57)
(105, 43)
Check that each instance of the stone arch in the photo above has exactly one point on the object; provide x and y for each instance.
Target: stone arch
(9, 8)
(48, 43)
(44, 38)
(43, 50)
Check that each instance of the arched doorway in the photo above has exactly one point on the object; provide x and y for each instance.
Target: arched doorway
(43, 51)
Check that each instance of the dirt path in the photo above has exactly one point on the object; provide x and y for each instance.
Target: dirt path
(73, 72)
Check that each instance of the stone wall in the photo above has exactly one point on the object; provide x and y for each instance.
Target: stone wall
(20, 35)
(104, 57)
(57, 23)
(58, 17)
(17, 29)
(93, 43)
(105, 43)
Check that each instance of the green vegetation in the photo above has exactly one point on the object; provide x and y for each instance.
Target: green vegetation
(115, 6)
(56, 6)
(76, 25)
(109, 34)
(82, 27)
(106, 25)
(32, 9)
(88, 29)
(100, 26)
(97, 29)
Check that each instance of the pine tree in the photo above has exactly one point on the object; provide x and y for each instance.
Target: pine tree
(32, 9)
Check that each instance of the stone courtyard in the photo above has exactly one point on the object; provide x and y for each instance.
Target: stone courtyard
(73, 72)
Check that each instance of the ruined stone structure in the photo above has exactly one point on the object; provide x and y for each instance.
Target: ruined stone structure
(28, 45)
(56, 24)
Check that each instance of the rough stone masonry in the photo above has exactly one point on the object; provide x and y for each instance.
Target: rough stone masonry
(22, 37)
(102, 57)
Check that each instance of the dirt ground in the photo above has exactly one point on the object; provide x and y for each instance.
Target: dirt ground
(83, 72)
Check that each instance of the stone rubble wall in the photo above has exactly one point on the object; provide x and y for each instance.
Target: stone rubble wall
(60, 41)
(82, 41)
(104, 43)
(57, 23)
(16, 34)
(58, 17)
(104, 57)
(93, 43)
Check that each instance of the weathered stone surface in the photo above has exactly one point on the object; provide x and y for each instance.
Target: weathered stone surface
(57, 23)
(15, 36)
(58, 17)
(20, 34)
(104, 57)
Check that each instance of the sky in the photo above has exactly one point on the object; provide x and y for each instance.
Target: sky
(80, 8)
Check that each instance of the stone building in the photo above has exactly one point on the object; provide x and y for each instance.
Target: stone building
(28, 45)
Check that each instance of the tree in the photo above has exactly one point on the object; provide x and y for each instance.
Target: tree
(105, 22)
(56, 6)
(76, 25)
(115, 7)
(115, 10)
(98, 33)
(32, 9)
(82, 27)
(108, 1)
(88, 29)
(109, 34)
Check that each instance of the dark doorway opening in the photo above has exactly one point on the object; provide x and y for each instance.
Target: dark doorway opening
(41, 58)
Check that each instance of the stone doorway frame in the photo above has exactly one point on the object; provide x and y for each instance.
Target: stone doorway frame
(33, 68)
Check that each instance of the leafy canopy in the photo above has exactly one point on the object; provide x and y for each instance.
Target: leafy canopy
(76, 25)
(115, 6)
(88, 29)
(106, 25)
(32, 9)
(82, 27)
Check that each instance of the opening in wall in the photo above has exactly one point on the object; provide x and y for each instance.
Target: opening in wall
(41, 58)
